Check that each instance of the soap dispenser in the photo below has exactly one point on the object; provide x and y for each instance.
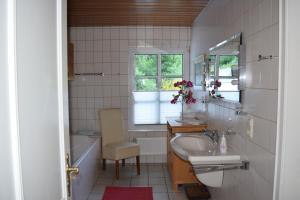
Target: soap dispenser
(223, 144)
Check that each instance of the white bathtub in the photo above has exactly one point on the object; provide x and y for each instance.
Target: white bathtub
(85, 153)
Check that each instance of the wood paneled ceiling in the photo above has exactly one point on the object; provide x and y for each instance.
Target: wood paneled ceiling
(133, 12)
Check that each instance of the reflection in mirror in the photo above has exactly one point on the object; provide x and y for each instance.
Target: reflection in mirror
(200, 66)
(223, 67)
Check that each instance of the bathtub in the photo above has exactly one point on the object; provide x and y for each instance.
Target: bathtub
(85, 154)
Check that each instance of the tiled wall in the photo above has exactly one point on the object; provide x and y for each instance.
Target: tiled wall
(106, 49)
(258, 21)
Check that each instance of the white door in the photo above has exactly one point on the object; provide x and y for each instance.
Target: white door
(34, 99)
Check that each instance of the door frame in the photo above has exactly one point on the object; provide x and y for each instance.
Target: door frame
(286, 182)
(62, 74)
(13, 99)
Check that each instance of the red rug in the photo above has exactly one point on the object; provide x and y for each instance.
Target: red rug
(127, 193)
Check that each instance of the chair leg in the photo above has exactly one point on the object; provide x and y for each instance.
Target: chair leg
(117, 169)
(138, 168)
(123, 162)
(103, 164)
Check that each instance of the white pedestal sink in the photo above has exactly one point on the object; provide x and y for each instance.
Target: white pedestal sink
(203, 153)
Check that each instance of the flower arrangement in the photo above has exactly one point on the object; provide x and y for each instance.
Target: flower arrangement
(215, 85)
(185, 92)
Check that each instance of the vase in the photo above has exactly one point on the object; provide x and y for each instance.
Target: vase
(187, 111)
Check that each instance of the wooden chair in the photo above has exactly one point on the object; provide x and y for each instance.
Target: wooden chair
(114, 145)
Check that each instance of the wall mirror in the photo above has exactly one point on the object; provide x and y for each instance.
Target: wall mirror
(200, 67)
(224, 64)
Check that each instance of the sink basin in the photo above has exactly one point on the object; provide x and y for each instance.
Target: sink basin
(200, 149)
(188, 145)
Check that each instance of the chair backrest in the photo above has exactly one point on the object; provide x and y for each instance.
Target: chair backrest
(111, 123)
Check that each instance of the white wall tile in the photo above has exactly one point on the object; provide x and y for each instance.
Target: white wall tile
(141, 33)
(149, 32)
(115, 46)
(258, 21)
(123, 32)
(89, 34)
(157, 33)
(132, 33)
(166, 33)
(115, 33)
(106, 56)
(106, 45)
(123, 45)
(98, 33)
(106, 33)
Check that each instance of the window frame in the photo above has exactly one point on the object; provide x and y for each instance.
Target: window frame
(132, 85)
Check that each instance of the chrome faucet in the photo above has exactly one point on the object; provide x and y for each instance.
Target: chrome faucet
(213, 135)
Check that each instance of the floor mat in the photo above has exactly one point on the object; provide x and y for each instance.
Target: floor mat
(127, 193)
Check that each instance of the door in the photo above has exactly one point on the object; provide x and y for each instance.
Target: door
(37, 93)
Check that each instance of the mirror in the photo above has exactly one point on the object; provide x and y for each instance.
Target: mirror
(223, 76)
(200, 71)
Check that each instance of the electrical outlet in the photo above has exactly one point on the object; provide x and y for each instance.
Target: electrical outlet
(250, 128)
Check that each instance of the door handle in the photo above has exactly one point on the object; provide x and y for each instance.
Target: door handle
(70, 171)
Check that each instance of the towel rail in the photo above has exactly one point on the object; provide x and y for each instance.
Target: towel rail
(204, 168)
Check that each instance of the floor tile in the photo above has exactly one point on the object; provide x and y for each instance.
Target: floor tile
(159, 188)
(152, 175)
(160, 196)
(177, 196)
(157, 181)
(139, 181)
(104, 181)
(95, 196)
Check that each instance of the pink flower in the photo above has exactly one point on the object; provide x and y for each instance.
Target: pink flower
(184, 92)
(176, 84)
(218, 83)
(174, 101)
(189, 84)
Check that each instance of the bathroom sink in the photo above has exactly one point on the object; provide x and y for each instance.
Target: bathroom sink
(200, 149)
(187, 145)
(204, 155)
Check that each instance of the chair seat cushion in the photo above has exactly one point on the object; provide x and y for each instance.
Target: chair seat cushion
(121, 150)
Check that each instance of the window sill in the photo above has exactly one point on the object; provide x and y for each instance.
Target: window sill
(148, 128)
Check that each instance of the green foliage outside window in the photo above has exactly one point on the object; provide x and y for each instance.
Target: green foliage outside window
(171, 65)
(228, 61)
(146, 66)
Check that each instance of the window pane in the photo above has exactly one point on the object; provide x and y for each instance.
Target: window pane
(171, 65)
(228, 65)
(169, 110)
(146, 84)
(146, 112)
(146, 65)
(145, 96)
(168, 83)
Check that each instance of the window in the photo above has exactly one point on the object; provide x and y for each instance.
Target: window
(153, 80)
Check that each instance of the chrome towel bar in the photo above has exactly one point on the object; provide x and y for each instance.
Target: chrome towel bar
(204, 168)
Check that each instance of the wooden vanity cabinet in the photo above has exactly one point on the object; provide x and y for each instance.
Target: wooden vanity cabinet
(180, 170)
